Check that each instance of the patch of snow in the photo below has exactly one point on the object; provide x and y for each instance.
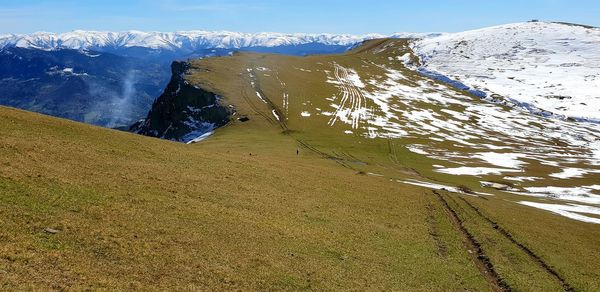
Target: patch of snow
(498, 186)
(201, 137)
(576, 194)
(572, 211)
(593, 187)
(508, 160)
(89, 54)
(199, 130)
(573, 172)
(374, 174)
(416, 149)
(466, 170)
(355, 79)
(522, 178)
(431, 185)
(261, 97)
(275, 115)
(405, 59)
(68, 71)
(435, 186)
(304, 70)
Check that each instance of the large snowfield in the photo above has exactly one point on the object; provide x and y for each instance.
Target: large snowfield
(544, 66)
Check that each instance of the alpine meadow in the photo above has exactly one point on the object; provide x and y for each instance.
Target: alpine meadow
(218, 160)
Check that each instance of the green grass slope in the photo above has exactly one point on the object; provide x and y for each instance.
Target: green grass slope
(240, 211)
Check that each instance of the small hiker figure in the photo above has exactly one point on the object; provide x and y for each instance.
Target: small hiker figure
(297, 151)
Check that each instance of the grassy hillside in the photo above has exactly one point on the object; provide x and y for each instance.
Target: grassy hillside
(85, 207)
(241, 210)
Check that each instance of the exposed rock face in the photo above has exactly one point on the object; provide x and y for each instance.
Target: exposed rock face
(183, 112)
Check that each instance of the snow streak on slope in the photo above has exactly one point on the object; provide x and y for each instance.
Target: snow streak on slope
(548, 66)
(573, 211)
(186, 40)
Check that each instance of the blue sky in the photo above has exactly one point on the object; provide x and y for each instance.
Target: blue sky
(335, 16)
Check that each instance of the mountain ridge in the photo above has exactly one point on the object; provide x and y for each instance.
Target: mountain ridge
(187, 40)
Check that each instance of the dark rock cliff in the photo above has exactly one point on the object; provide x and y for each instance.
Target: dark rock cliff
(183, 112)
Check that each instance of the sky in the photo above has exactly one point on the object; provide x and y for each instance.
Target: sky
(333, 16)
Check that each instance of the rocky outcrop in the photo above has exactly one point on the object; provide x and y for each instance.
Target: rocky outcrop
(183, 112)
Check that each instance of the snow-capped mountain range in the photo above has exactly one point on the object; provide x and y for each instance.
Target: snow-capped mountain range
(183, 40)
(549, 68)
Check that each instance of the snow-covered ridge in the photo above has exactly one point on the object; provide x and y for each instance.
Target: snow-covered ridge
(187, 40)
(538, 65)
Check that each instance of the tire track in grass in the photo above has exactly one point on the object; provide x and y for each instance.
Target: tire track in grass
(277, 114)
(359, 98)
(255, 108)
(286, 96)
(481, 260)
(351, 95)
(537, 259)
(344, 94)
(392, 152)
(251, 80)
(441, 248)
(325, 155)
